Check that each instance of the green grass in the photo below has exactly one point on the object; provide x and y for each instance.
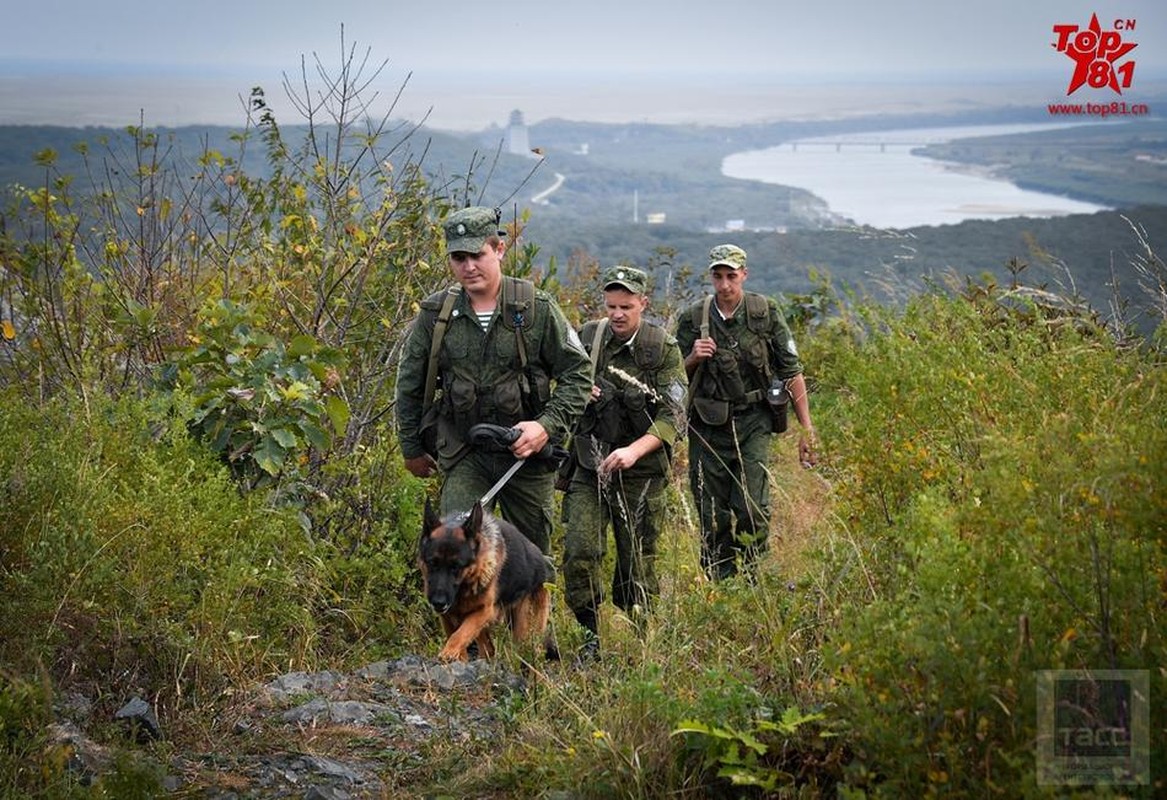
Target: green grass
(980, 467)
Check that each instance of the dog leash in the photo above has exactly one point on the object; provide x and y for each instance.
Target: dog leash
(506, 476)
(499, 439)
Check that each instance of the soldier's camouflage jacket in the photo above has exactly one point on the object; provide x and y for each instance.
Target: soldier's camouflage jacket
(753, 347)
(481, 374)
(642, 389)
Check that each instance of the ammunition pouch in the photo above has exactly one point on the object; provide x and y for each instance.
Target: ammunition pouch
(711, 412)
(603, 416)
(462, 399)
(538, 384)
(566, 471)
(725, 373)
(589, 451)
(505, 403)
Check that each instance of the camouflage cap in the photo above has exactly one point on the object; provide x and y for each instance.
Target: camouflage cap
(630, 278)
(729, 255)
(469, 228)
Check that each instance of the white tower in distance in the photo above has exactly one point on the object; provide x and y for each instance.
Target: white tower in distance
(518, 142)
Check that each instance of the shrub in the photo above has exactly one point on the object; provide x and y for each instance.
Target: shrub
(264, 406)
(1002, 473)
(132, 560)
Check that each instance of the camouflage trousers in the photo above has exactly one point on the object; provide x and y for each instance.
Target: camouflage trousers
(633, 508)
(730, 482)
(525, 501)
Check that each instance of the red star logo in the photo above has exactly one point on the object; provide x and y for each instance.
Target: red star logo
(1097, 61)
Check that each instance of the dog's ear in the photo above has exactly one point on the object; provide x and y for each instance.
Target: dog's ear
(432, 520)
(474, 520)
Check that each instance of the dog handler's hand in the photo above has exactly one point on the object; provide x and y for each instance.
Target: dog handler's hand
(532, 438)
(421, 466)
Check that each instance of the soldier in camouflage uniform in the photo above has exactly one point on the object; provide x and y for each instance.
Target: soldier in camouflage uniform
(746, 350)
(509, 357)
(621, 451)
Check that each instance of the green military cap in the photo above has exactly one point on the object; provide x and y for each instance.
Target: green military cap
(468, 229)
(630, 278)
(728, 255)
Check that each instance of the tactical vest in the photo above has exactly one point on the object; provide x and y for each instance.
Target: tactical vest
(648, 351)
(518, 312)
(757, 314)
(733, 379)
(624, 410)
(521, 395)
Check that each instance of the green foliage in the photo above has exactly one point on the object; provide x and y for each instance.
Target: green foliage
(131, 776)
(805, 310)
(992, 463)
(366, 529)
(746, 757)
(133, 561)
(260, 404)
(34, 766)
(997, 459)
(24, 716)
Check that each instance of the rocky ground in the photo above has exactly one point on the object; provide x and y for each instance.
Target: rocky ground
(319, 736)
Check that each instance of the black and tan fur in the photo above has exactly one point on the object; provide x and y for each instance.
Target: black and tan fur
(478, 569)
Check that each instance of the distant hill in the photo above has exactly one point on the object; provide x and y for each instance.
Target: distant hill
(614, 172)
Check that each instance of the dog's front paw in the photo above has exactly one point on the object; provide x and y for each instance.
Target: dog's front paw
(449, 654)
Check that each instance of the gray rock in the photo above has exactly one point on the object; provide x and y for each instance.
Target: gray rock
(295, 683)
(140, 720)
(341, 712)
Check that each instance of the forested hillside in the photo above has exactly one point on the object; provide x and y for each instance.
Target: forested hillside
(589, 219)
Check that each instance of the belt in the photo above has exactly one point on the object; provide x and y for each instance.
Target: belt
(748, 401)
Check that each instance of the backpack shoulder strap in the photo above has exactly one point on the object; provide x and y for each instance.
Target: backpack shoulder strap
(758, 320)
(701, 316)
(650, 346)
(518, 299)
(431, 372)
(597, 344)
(701, 320)
(518, 309)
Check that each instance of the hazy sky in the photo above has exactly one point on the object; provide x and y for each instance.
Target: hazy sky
(522, 44)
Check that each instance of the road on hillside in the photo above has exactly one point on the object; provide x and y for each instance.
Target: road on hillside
(541, 198)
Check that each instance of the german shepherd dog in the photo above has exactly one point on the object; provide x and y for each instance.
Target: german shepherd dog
(478, 569)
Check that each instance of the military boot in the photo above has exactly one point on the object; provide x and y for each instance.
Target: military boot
(589, 651)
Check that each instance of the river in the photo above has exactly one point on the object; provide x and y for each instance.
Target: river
(873, 178)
